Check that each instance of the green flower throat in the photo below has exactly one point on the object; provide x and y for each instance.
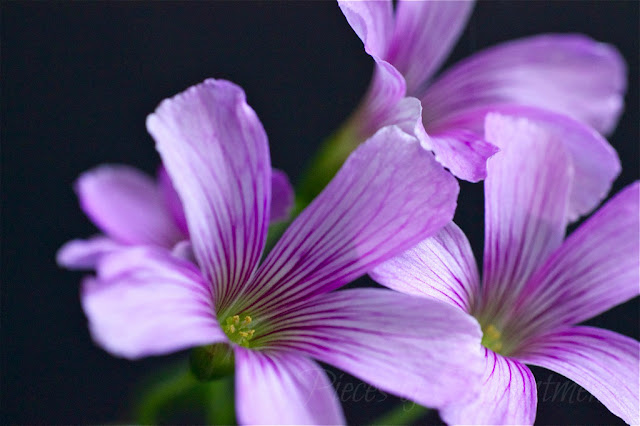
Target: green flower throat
(240, 332)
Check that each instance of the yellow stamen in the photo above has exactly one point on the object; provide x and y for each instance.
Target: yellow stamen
(239, 332)
(492, 338)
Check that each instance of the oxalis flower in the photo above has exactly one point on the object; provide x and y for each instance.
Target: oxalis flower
(273, 318)
(535, 286)
(535, 77)
(133, 210)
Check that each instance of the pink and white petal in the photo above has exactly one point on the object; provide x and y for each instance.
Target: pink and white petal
(425, 33)
(595, 269)
(596, 163)
(282, 196)
(601, 361)
(172, 200)
(566, 73)
(147, 302)
(463, 152)
(379, 106)
(508, 396)
(283, 388)
(372, 21)
(216, 152)
(407, 115)
(184, 250)
(85, 254)
(526, 198)
(441, 267)
(413, 347)
(127, 206)
(389, 195)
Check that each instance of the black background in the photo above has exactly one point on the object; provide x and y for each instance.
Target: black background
(78, 80)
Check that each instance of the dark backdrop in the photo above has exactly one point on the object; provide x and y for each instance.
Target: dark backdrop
(78, 80)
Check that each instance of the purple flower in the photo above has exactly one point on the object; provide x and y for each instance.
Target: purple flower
(133, 210)
(535, 286)
(531, 77)
(277, 316)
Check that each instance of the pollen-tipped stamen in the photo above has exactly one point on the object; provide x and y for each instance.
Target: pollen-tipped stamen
(492, 338)
(238, 331)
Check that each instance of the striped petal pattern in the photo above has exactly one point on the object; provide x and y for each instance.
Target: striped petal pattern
(216, 152)
(283, 388)
(388, 195)
(146, 302)
(441, 267)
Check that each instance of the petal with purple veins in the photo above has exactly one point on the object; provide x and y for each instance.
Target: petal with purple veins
(216, 153)
(425, 33)
(508, 396)
(595, 269)
(595, 162)
(389, 195)
(526, 198)
(605, 363)
(566, 73)
(283, 388)
(441, 267)
(147, 302)
(413, 347)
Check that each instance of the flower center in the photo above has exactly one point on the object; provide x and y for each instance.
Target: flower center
(240, 332)
(492, 338)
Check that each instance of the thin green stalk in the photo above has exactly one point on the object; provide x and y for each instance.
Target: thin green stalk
(401, 415)
(161, 394)
(178, 391)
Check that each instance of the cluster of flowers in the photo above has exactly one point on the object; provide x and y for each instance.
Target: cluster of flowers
(178, 265)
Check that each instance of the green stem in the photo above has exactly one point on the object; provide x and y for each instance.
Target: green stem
(161, 394)
(402, 415)
(179, 391)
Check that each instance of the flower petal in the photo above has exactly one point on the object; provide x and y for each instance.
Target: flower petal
(425, 33)
(508, 396)
(595, 162)
(282, 196)
(217, 155)
(389, 195)
(172, 200)
(127, 206)
(601, 361)
(283, 388)
(372, 21)
(441, 267)
(414, 347)
(463, 152)
(85, 254)
(147, 302)
(595, 269)
(526, 197)
(380, 105)
(566, 73)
